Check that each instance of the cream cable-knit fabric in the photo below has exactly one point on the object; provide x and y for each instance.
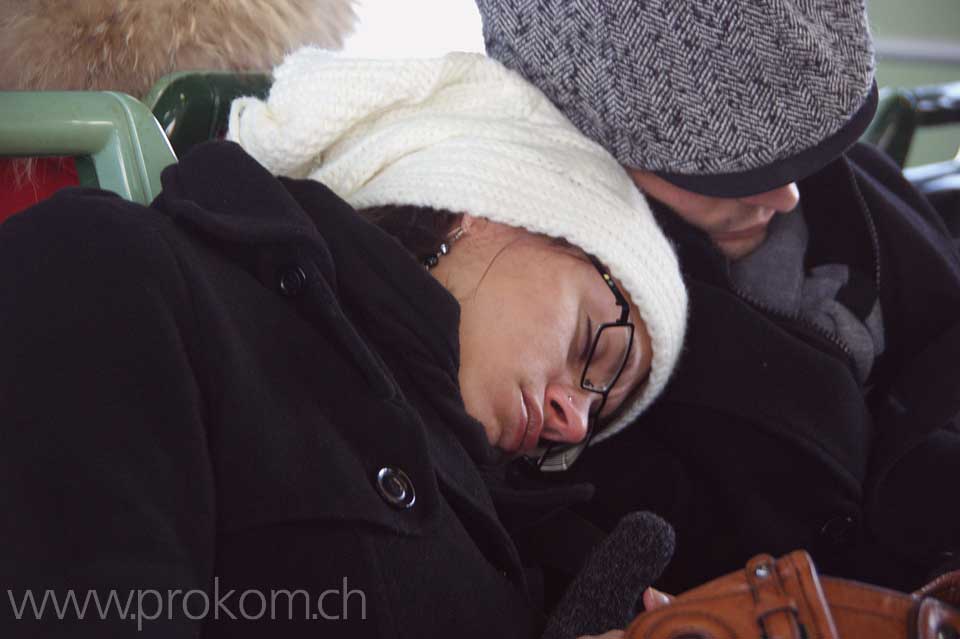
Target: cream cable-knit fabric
(463, 133)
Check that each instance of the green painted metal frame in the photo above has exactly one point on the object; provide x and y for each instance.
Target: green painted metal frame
(119, 135)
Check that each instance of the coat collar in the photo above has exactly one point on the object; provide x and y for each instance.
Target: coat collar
(225, 194)
(386, 292)
(697, 254)
(223, 191)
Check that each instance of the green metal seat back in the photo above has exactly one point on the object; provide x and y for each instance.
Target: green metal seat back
(118, 143)
(900, 114)
(902, 111)
(193, 106)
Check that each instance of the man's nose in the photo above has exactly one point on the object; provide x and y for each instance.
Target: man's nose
(566, 413)
(783, 199)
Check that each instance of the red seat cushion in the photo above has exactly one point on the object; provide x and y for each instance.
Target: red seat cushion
(49, 176)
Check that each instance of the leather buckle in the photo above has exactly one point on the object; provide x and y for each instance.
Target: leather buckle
(801, 631)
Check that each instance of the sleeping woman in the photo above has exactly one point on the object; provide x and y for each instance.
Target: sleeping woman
(272, 403)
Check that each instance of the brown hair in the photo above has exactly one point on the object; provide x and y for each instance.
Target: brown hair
(420, 229)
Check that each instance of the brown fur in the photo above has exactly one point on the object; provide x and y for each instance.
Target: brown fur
(126, 45)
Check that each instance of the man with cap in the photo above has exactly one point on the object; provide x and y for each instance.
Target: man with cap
(816, 403)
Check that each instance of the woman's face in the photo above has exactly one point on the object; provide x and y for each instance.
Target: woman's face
(529, 312)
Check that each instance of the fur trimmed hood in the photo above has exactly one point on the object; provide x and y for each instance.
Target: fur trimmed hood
(126, 45)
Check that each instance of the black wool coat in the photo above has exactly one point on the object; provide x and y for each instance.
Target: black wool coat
(766, 442)
(243, 387)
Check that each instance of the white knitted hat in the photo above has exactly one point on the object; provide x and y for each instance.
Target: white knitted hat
(463, 133)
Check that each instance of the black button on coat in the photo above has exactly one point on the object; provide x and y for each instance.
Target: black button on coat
(202, 394)
(765, 441)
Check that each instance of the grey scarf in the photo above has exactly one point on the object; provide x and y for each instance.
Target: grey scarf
(774, 274)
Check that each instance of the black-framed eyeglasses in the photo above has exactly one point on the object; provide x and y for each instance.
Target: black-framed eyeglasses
(606, 359)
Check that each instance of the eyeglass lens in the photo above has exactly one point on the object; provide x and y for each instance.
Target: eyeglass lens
(611, 348)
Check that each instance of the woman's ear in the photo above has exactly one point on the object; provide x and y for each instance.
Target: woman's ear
(489, 231)
(467, 222)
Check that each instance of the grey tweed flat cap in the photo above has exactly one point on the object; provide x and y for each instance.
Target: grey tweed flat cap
(722, 97)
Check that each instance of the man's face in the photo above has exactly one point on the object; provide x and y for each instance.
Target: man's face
(736, 225)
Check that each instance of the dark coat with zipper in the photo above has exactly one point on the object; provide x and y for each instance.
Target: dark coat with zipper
(766, 442)
(245, 386)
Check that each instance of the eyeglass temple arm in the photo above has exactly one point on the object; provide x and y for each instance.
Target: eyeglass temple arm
(621, 300)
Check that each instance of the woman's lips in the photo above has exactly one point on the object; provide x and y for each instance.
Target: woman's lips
(531, 423)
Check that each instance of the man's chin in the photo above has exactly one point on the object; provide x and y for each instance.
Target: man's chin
(736, 249)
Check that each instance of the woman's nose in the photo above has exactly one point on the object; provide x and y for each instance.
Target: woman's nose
(782, 200)
(566, 413)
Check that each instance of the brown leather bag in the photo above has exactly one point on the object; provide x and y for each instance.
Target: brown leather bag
(786, 599)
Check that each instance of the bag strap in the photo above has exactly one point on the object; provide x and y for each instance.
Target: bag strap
(789, 602)
(946, 588)
(773, 599)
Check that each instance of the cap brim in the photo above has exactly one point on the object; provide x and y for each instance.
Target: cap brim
(785, 171)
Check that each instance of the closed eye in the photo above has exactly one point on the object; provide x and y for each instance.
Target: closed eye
(587, 341)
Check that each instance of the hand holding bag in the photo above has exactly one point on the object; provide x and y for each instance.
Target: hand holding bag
(786, 599)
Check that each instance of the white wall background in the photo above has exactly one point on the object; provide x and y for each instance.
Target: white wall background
(414, 28)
